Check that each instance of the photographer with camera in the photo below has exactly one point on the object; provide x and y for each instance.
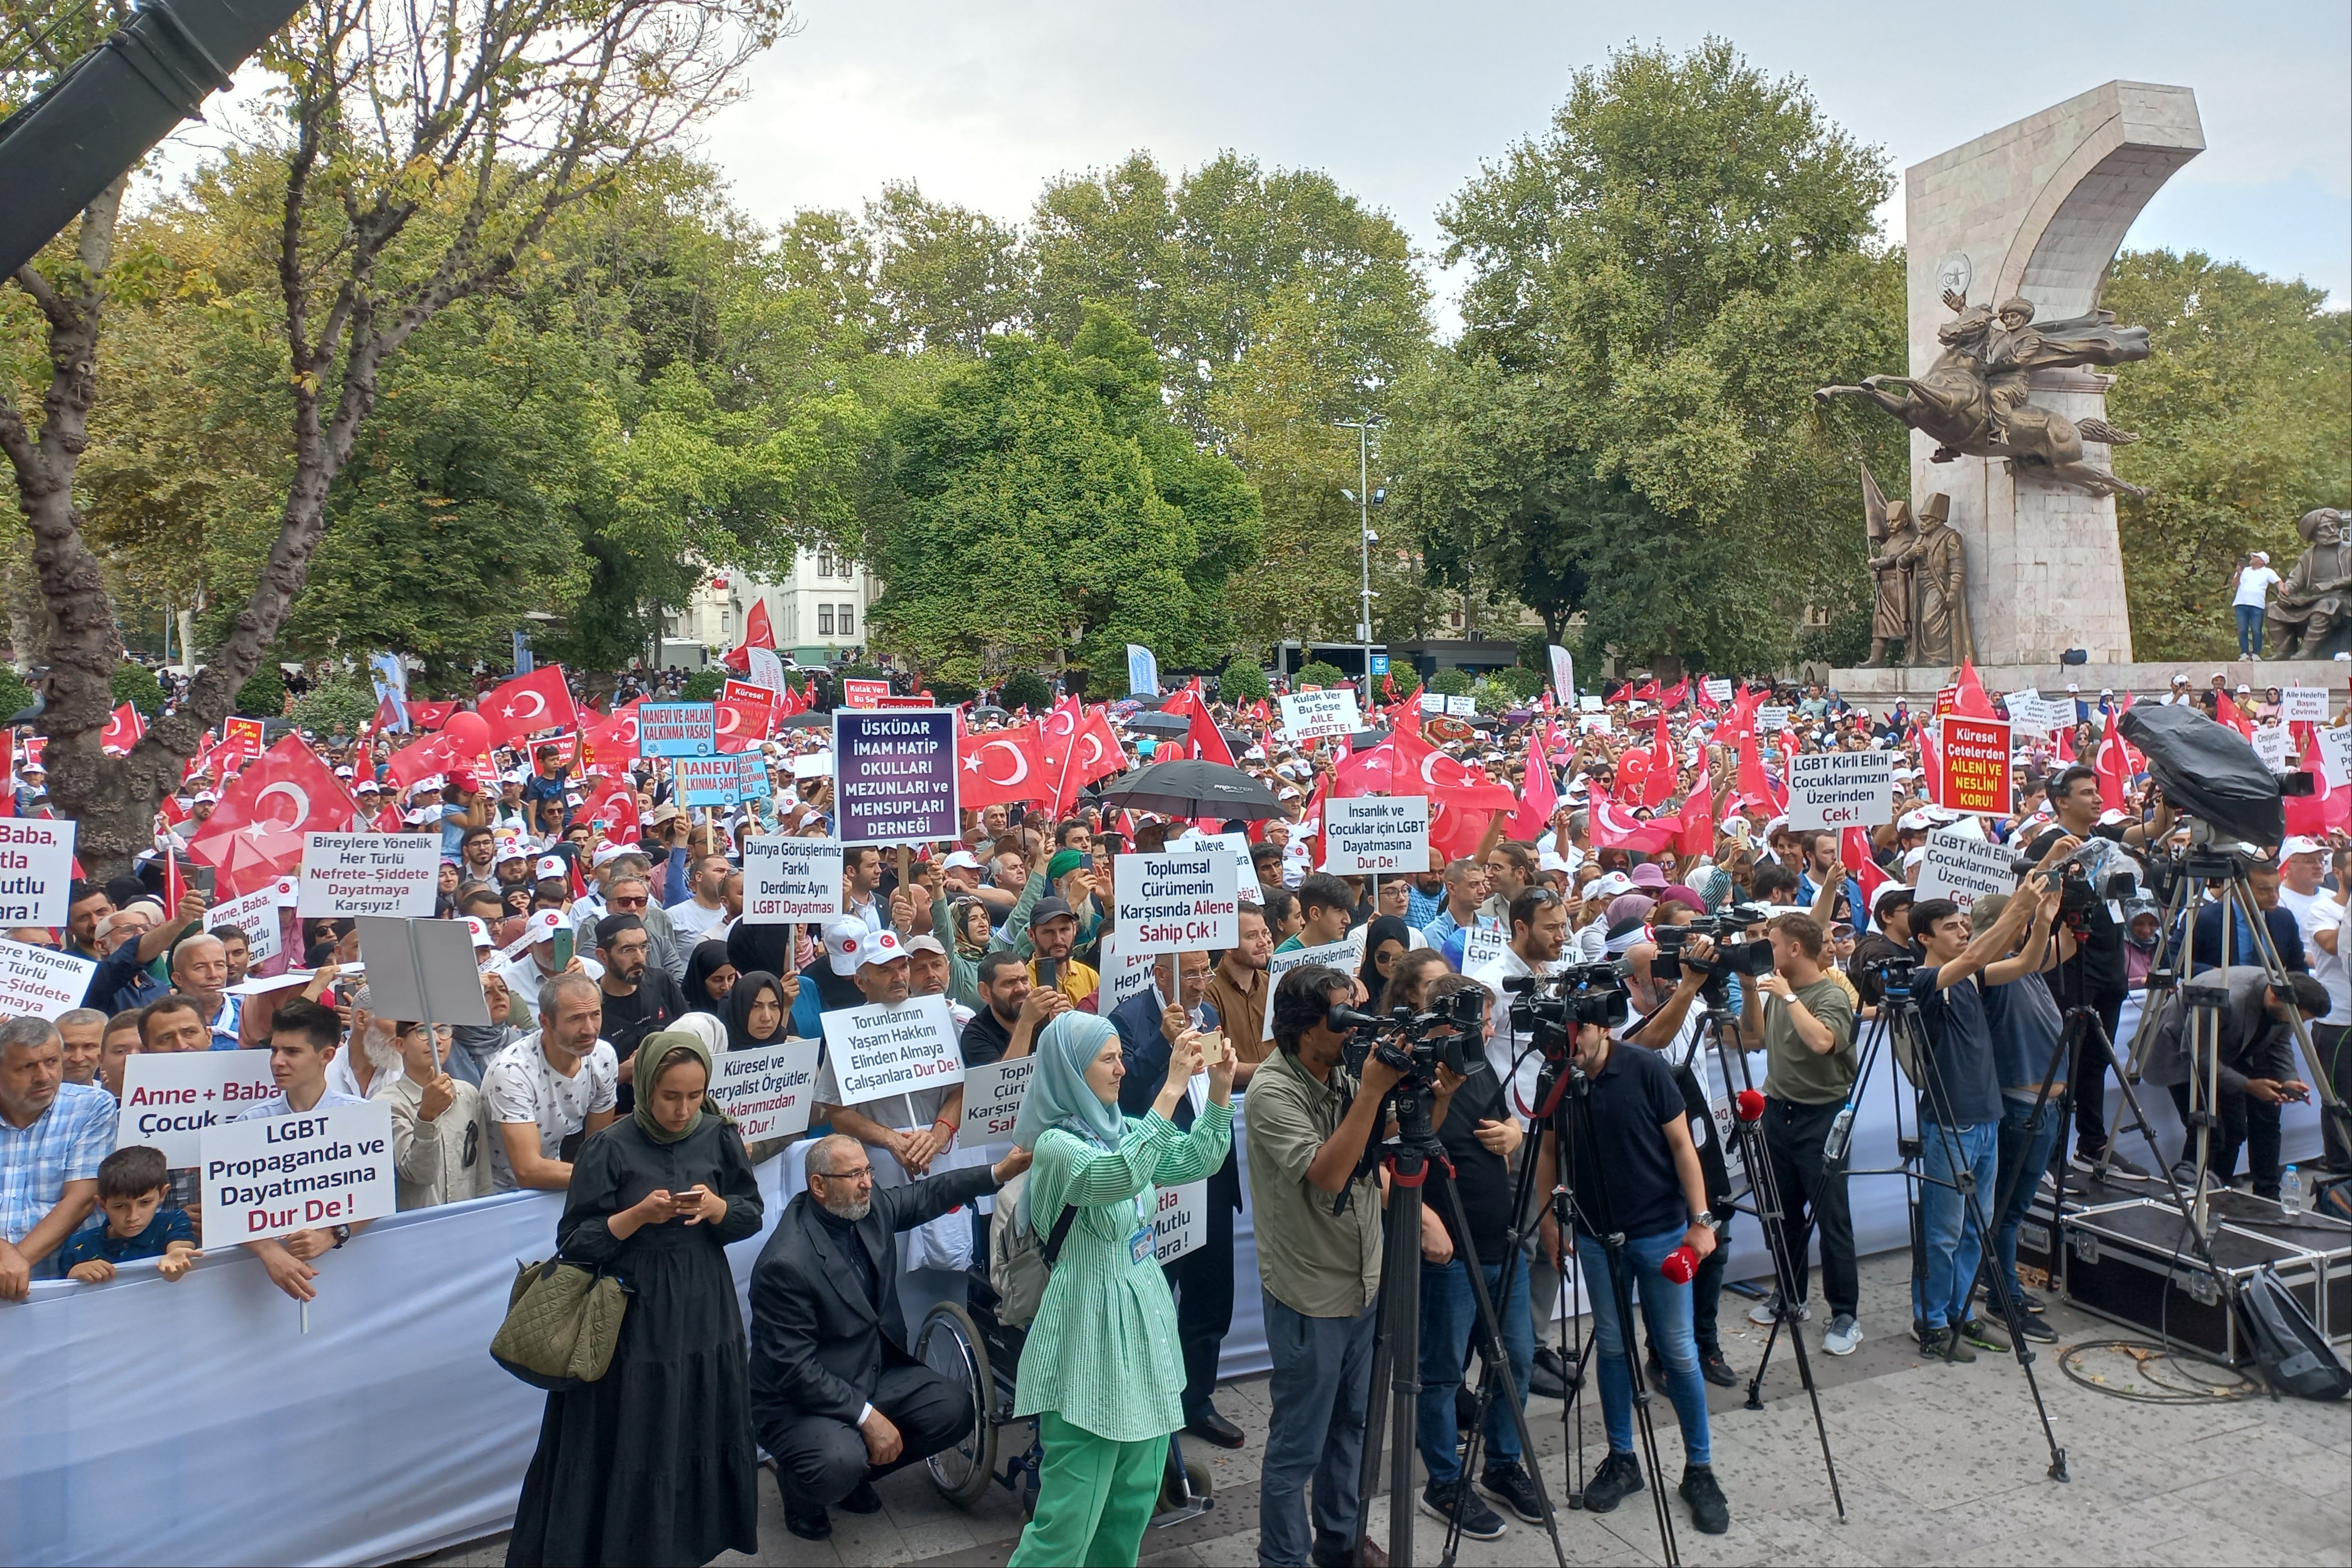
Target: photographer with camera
(2094, 977)
(1637, 1169)
(1959, 1115)
(1804, 1021)
(2255, 1038)
(1315, 1206)
(2025, 1026)
(1480, 1135)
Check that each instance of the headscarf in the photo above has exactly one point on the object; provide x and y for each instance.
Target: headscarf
(1058, 1093)
(737, 1011)
(1384, 929)
(960, 916)
(768, 947)
(650, 1052)
(707, 1028)
(709, 955)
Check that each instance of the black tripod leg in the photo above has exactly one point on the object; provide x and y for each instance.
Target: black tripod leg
(1367, 1473)
(1786, 1263)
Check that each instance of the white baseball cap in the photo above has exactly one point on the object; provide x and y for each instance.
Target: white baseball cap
(480, 932)
(1613, 885)
(2301, 844)
(550, 866)
(542, 926)
(962, 859)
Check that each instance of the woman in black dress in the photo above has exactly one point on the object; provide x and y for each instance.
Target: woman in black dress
(653, 1462)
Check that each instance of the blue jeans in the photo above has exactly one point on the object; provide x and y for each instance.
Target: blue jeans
(1941, 1300)
(1449, 1326)
(1667, 1309)
(2024, 1154)
(2250, 628)
(1320, 1386)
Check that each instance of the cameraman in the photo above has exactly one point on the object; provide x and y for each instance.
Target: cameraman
(1637, 1174)
(2093, 977)
(1960, 1120)
(1804, 1021)
(2257, 1041)
(1480, 1135)
(2025, 1029)
(1317, 1219)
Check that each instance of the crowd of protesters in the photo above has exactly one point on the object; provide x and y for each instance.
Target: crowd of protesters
(607, 919)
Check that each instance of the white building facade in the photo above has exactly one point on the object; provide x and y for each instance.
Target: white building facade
(816, 613)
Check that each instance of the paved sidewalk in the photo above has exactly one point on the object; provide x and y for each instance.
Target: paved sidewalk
(1939, 1465)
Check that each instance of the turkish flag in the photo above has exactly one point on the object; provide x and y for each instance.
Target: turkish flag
(390, 715)
(1853, 848)
(123, 728)
(2115, 768)
(529, 704)
(430, 716)
(757, 633)
(612, 803)
(2227, 712)
(1001, 767)
(251, 838)
(1055, 733)
(433, 754)
(1672, 697)
(1755, 785)
(1969, 699)
(1539, 798)
(1206, 743)
(1931, 769)
(1696, 833)
(1615, 827)
(1659, 786)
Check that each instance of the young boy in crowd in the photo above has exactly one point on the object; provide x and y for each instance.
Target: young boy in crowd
(134, 1193)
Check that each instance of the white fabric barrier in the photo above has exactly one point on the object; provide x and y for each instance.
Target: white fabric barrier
(149, 1421)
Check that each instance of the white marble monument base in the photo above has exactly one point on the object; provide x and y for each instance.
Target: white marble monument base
(1874, 689)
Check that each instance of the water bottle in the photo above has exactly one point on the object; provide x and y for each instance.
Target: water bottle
(1840, 1134)
(2291, 1193)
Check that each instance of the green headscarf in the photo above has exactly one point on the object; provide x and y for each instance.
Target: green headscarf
(1058, 1094)
(647, 1067)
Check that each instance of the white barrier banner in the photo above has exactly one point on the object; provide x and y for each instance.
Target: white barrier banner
(1964, 868)
(36, 870)
(788, 879)
(1384, 835)
(370, 874)
(992, 1094)
(170, 1097)
(767, 1093)
(878, 1050)
(276, 1174)
(41, 980)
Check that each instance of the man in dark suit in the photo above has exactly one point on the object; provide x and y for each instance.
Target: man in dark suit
(1148, 1025)
(836, 1397)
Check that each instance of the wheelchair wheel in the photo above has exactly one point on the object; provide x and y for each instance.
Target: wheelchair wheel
(948, 1343)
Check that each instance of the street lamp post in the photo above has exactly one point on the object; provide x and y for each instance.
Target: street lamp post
(1363, 429)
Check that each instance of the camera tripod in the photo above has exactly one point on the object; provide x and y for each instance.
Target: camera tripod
(1721, 1028)
(1900, 1028)
(1411, 1160)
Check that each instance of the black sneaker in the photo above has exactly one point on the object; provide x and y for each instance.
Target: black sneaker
(1709, 1511)
(1619, 1478)
(808, 1523)
(1716, 1370)
(1510, 1486)
(1983, 1336)
(1943, 1344)
(862, 1500)
(2035, 1329)
(2031, 1302)
(1548, 1377)
(1478, 1521)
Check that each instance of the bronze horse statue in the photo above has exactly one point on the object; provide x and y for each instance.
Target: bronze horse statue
(1972, 400)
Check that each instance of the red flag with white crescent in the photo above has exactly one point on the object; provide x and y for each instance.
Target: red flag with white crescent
(123, 728)
(529, 704)
(1001, 767)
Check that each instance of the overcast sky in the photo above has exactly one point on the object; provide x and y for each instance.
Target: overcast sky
(982, 104)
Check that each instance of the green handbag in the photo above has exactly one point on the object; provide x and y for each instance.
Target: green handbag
(563, 1322)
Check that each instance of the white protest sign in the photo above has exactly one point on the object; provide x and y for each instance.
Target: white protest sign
(788, 879)
(42, 981)
(1717, 688)
(1587, 703)
(1481, 946)
(1462, 707)
(767, 1093)
(276, 1174)
(170, 1097)
(992, 1092)
(256, 915)
(369, 874)
(1964, 869)
(2272, 744)
(1772, 716)
(1238, 845)
(1180, 1222)
(813, 765)
(1183, 900)
(1339, 955)
(1592, 724)
(2336, 755)
(36, 870)
(1308, 716)
(877, 1051)
(1385, 835)
(1432, 701)
(2304, 704)
(1841, 790)
(1124, 973)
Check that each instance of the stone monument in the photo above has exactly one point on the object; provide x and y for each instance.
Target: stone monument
(2312, 617)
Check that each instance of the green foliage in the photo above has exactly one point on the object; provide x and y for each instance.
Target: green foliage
(1535, 652)
(1453, 682)
(1493, 693)
(1659, 281)
(343, 703)
(1244, 681)
(1842, 643)
(703, 685)
(1315, 673)
(1056, 477)
(1522, 682)
(2244, 414)
(263, 696)
(15, 697)
(1025, 688)
(137, 684)
(864, 672)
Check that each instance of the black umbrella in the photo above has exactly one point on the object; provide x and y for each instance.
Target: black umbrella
(806, 721)
(1191, 788)
(1161, 723)
(1237, 740)
(1365, 739)
(987, 710)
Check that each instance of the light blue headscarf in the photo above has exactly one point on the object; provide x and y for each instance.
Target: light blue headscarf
(1058, 1094)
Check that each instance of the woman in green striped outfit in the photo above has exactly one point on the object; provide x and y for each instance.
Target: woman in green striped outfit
(1101, 1370)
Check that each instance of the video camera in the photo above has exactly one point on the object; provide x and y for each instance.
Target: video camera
(1550, 1008)
(1403, 1040)
(1734, 953)
(2076, 896)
